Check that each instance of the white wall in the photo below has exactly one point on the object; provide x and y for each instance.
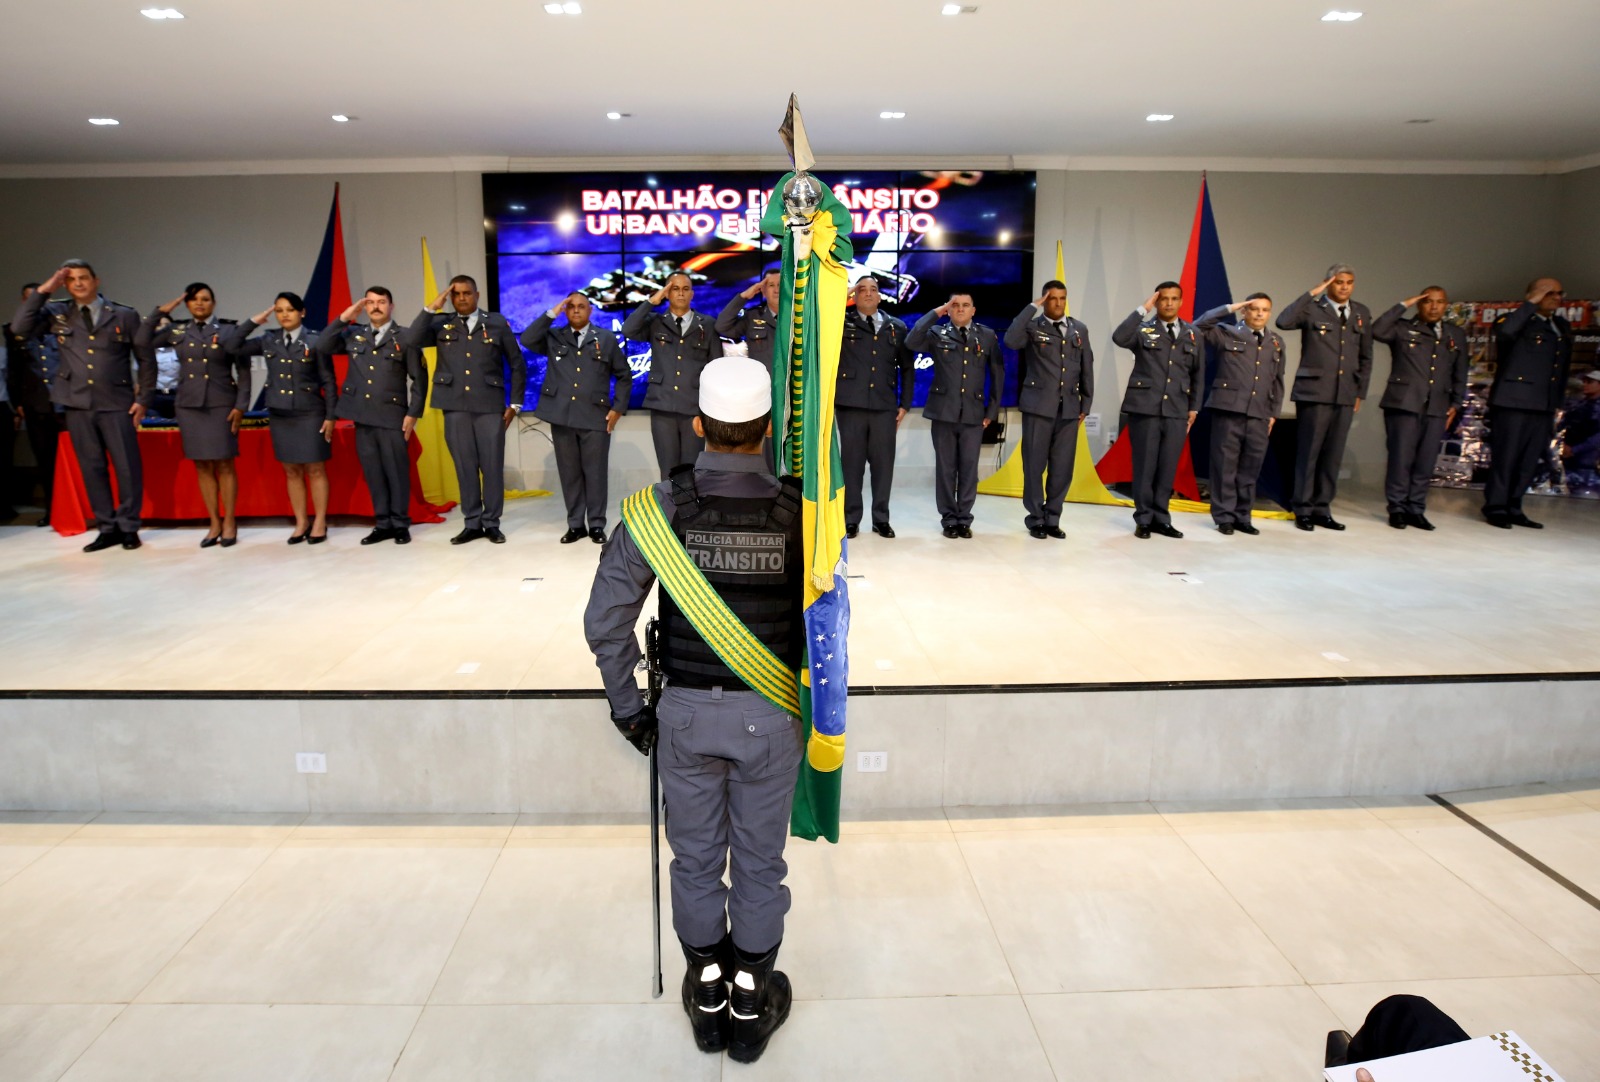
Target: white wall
(251, 236)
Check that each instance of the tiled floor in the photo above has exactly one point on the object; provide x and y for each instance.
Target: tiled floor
(1126, 942)
(1101, 606)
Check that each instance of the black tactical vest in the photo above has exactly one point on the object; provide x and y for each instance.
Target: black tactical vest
(748, 549)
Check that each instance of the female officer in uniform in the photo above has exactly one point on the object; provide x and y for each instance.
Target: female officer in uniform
(211, 401)
(300, 401)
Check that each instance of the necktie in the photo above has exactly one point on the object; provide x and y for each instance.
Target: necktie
(1344, 316)
(1435, 332)
(1061, 328)
(1172, 332)
(88, 320)
(1260, 337)
(963, 331)
(680, 322)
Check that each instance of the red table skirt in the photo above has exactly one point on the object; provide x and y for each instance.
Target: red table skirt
(171, 491)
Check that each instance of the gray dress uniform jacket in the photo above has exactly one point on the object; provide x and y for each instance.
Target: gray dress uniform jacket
(877, 371)
(958, 394)
(1532, 359)
(470, 375)
(299, 377)
(675, 360)
(375, 391)
(1427, 375)
(581, 384)
(1168, 377)
(1249, 377)
(1335, 361)
(31, 371)
(96, 369)
(1057, 378)
(756, 327)
(208, 374)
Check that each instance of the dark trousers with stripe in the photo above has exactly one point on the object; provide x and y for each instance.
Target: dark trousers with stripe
(1518, 439)
(99, 435)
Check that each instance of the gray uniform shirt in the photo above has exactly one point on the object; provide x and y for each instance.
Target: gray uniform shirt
(877, 370)
(1427, 375)
(1532, 359)
(375, 390)
(1057, 378)
(1335, 359)
(96, 368)
(623, 579)
(675, 360)
(582, 383)
(299, 375)
(959, 371)
(1249, 376)
(208, 374)
(1168, 372)
(470, 373)
(756, 327)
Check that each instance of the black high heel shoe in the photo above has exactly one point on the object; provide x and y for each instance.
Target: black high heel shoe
(299, 537)
(313, 539)
(229, 542)
(207, 542)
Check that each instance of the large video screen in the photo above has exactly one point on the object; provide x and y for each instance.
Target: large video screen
(617, 236)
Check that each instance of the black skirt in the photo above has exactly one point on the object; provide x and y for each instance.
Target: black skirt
(207, 435)
(297, 437)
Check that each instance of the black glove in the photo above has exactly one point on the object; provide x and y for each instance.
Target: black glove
(639, 729)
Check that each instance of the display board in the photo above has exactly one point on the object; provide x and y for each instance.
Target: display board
(618, 236)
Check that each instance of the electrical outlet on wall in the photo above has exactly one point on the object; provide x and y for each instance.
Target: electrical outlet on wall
(872, 762)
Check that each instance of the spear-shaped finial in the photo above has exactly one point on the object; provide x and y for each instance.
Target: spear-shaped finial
(793, 133)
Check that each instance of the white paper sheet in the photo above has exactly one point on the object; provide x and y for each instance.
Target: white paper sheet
(1504, 1057)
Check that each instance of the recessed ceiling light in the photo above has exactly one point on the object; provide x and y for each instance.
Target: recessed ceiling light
(958, 9)
(341, 118)
(161, 13)
(617, 116)
(518, 206)
(104, 121)
(1159, 118)
(1005, 237)
(568, 8)
(1341, 16)
(1421, 120)
(891, 116)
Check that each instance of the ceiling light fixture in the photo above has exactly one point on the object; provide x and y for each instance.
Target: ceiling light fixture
(617, 116)
(341, 118)
(161, 13)
(1341, 16)
(104, 121)
(518, 206)
(566, 221)
(568, 8)
(1005, 237)
(1421, 120)
(891, 116)
(1159, 118)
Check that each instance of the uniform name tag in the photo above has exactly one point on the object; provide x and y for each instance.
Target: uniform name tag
(736, 551)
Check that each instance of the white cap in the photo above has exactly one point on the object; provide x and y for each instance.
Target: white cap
(735, 389)
(1593, 373)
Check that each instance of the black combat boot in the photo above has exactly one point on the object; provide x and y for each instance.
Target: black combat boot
(761, 997)
(705, 993)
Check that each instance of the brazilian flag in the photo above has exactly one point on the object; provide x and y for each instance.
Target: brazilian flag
(812, 310)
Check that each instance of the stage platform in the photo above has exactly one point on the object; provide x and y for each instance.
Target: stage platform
(996, 670)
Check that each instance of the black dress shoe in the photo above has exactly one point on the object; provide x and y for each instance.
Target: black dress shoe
(379, 533)
(597, 535)
(1056, 532)
(316, 538)
(494, 535)
(1399, 519)
(966, 531)
(107, 539)
(1419, 520)
(1327, 522)
(949, 531)
(1037, 533)
(1246, 527)
(471, 533)
(229, 542)
(299, 538)
(130, 541)
(1498, 519)
(574, 534)
(208, 542)
(1303, 522)
(44, 520)
(1519, 519)
(1165, 529)
(1141, 532)
(1225, 529)
(402, 535)
(885, 530)
(851, 531)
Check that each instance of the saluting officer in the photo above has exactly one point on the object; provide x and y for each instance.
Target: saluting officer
(33, 367)
(1057, 387)
(682, 342)
(1533, 357)
(104, 401)
(210, 400)
(375, 396)
(877, 376)
(1162, 400)
(968, 374)
(477, 350)
(1246, 394)
(300, 404)
(1427, 383)
(756, 327)
(587, 382)
(1335, 365)
(728, 756)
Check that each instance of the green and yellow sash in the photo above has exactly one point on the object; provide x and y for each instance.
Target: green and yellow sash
(748, 657)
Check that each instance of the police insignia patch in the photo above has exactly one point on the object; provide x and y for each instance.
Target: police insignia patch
(736, 552)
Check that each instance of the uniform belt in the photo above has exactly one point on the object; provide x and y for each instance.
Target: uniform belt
(707, 685)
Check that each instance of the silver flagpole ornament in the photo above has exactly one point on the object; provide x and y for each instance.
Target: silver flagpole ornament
(802, 193)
